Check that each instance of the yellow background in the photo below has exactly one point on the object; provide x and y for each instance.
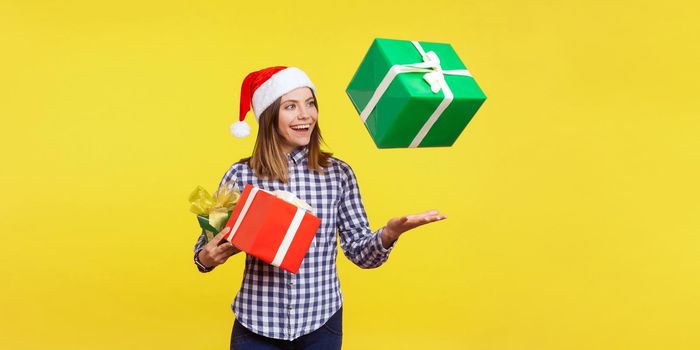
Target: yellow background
(572, 196)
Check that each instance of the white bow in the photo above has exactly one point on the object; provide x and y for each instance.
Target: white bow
(433, 78)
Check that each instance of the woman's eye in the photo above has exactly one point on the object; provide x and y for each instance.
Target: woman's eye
(311, 103)
(289, 106)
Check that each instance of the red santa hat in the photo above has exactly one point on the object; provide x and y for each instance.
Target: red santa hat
(262, 88)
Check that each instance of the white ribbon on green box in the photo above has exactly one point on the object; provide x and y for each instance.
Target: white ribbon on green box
(434, 75)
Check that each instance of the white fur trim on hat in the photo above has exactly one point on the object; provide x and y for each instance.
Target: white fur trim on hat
(277, 85)
(240, 129)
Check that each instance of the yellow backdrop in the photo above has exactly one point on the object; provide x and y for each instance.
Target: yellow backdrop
(572, 196)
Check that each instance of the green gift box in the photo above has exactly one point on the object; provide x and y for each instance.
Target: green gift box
(414, 94)
(209, 230)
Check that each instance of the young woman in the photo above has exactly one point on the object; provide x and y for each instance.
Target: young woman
(276, 309)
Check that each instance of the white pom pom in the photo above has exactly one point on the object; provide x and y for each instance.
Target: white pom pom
(240, 129)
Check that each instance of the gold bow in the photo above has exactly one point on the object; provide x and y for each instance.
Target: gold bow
(215, 207)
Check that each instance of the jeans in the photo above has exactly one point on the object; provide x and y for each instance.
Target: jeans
(328, 337)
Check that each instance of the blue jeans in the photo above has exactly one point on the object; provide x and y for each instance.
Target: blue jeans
(328, 337)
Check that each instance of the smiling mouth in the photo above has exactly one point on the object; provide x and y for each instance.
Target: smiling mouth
(301, 127)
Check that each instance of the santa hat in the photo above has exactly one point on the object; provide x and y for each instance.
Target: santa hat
(262, 88)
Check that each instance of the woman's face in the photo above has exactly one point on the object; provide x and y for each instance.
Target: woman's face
(297, 118)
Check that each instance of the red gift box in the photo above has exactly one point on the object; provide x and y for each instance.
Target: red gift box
(271, 229)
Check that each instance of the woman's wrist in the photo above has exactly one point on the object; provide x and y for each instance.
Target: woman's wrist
(203, 260)
(388, 237)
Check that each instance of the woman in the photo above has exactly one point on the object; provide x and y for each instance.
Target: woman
(276, 309)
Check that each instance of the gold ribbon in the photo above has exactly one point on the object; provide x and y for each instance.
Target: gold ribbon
(215, 207)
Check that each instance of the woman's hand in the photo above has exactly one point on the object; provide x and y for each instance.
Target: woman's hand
(217, 251)
(397, 226)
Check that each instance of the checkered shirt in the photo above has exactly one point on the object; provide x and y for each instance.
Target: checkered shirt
(277, 304)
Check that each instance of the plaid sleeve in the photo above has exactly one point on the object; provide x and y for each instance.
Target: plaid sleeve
(201, 241)
(230, 176)
(359, 243)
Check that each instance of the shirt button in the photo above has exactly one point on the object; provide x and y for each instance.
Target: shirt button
(290, 307)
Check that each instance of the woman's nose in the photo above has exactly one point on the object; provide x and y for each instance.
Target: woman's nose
(303, 113)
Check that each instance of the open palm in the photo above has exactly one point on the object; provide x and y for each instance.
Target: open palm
(397, 226)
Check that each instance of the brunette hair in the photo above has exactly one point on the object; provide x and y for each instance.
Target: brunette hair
(268, 160)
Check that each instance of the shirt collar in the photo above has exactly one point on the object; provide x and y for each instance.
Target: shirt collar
(298, 154)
